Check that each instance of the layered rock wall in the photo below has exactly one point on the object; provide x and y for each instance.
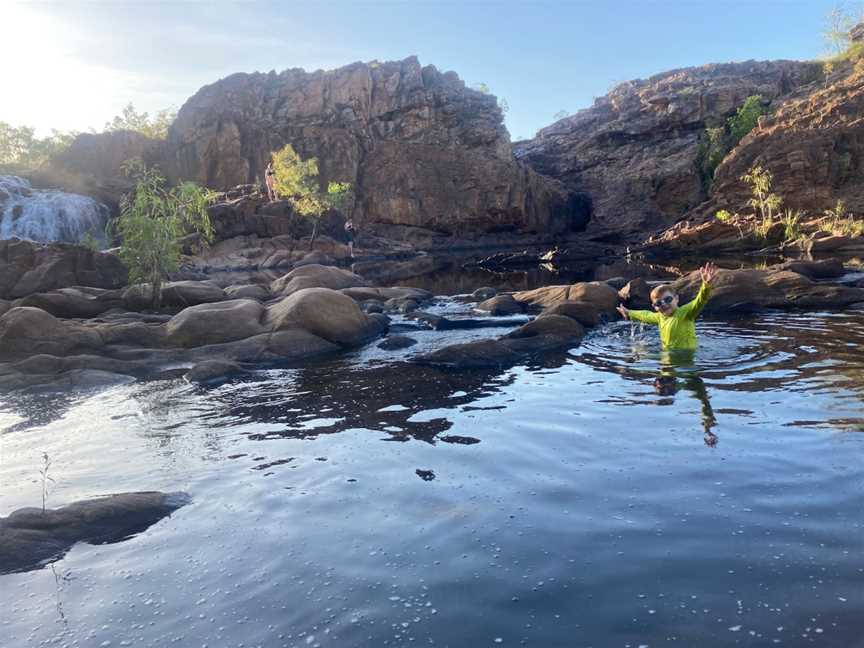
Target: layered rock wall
(813, 146)
(633, 155)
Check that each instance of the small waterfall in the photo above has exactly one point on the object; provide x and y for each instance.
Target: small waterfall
(48, 215)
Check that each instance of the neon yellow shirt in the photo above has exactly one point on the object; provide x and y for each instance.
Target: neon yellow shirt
(678, 330)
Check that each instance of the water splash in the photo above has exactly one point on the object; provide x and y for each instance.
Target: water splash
(46, 214)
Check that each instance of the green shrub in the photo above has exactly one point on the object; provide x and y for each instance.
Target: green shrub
(791, 225)
(723, 216)
(153, 218)
(718, 141)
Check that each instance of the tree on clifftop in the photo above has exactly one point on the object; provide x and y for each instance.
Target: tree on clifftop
(141, 122)
(153, 218)
(299, 182)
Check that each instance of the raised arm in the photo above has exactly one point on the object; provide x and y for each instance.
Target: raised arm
(692, 309)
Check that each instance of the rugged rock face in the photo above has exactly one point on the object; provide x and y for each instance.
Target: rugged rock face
(632, 156)
(420, 149)
(813, 146)
(27, 267)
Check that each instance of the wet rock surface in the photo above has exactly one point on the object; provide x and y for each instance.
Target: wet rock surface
(32, 537)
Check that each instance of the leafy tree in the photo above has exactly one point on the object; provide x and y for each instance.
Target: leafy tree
(141, 122)
(300, 182)
(717, 141)
(153, 218)
(482, 87)
(745, 118)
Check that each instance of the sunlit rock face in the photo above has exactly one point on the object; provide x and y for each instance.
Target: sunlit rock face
(420, 149)
(813, 146)
(634, 153)
(48, 215)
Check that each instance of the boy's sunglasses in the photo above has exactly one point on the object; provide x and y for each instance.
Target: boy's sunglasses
(665, 301)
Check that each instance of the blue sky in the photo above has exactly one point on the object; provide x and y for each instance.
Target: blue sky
(73, 65)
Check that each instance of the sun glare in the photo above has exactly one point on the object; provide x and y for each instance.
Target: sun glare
(50, 87)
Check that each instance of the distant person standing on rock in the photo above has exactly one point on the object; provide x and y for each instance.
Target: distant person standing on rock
(349, 236)
(269, 181)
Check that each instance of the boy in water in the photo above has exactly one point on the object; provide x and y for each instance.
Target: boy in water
(677, 323)
(678, 334)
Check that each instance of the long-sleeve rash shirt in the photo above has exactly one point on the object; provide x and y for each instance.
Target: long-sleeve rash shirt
(678, 330)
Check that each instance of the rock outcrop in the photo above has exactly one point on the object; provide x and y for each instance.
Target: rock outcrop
(27, 267)
(812, 145)
(632, 156)
(420, 149)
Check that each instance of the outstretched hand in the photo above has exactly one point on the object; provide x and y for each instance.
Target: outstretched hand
(624, 312)
(708, 272)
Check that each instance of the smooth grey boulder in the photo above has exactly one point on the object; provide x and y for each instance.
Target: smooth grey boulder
(314, 276)
(213, 323)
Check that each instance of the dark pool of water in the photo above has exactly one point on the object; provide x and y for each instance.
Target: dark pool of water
(598, 498)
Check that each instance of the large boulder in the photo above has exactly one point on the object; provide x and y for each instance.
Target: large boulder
(326, 313)
(745, 290)
(501, 305)
(314, 276)
(586, 313)
(74, 302)
(214, 323)
(599, 293)
(27, 268)
(25, 330)
(191, 293)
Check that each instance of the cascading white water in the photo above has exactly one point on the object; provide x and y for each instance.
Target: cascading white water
(48, 215)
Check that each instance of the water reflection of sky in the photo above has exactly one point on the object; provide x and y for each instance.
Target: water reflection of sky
(571, 504)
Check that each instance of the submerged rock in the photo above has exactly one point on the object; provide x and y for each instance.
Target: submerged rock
(211, 372)
(31, 537)
(395, 342)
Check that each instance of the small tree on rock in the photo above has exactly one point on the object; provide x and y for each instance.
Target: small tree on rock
(153, 218)
(759, 180)
(300, 182)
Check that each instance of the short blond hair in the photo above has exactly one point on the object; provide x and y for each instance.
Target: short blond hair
(662, 289)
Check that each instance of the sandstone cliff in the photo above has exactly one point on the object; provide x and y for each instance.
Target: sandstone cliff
(420, 149)
(813, 146)
(633, 154)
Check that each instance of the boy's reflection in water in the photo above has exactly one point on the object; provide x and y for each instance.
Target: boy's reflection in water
(677, 368)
